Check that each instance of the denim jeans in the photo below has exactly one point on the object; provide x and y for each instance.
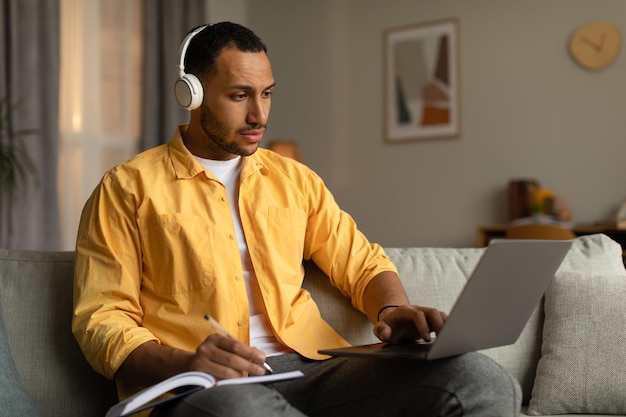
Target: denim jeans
(466, 385)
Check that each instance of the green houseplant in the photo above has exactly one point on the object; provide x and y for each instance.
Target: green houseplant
(15, 163)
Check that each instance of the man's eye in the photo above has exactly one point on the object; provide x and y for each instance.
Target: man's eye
(268, 94)
(239, 96)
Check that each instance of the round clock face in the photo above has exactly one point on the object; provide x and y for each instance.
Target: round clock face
(596, 45)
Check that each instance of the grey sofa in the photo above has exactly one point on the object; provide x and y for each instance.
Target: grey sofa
(38, 349)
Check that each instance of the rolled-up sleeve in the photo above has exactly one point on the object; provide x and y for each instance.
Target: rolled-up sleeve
(107, 279)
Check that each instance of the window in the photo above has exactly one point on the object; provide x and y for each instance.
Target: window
(100, 97)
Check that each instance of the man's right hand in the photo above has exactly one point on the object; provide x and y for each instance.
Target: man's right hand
(221, 356)
(225, 357)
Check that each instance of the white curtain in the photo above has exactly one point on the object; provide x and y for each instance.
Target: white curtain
(101, 93)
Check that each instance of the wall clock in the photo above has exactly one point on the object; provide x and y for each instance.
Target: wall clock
(596, 45)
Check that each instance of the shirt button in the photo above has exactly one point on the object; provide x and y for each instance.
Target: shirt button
(237, 278)
(241, 322)
(223, 198)
(231, 237)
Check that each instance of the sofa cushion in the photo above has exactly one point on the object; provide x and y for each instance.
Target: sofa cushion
(583, 364)
(591, 254)
(36, 302)
(14, 400)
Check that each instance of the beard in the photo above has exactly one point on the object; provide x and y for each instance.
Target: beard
(218, 133)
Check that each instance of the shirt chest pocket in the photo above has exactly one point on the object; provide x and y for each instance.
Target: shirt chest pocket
(176, 253)
(287, 230)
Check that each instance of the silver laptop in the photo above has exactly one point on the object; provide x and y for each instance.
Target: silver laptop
(494, 306)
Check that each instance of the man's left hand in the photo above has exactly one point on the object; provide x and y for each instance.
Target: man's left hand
(409, 323)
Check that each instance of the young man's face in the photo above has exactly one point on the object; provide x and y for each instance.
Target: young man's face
(236, 106)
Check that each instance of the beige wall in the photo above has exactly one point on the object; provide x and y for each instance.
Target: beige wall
(527, 111)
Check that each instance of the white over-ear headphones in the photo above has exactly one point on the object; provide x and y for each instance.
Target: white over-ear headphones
(188, 88)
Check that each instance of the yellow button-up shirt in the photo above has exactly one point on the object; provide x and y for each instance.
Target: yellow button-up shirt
(157, 250)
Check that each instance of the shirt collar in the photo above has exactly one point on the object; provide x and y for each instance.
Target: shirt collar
(186, 166)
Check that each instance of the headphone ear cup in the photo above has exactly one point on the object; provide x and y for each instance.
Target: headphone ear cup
(189, 92)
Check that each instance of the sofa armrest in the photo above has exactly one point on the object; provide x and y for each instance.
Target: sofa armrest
(36, 301)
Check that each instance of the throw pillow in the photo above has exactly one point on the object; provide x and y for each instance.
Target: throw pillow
(582, 369)
(14, 400)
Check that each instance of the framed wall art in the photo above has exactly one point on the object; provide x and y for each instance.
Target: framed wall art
(422, 81)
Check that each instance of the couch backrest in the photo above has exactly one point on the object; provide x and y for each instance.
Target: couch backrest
(36, 302)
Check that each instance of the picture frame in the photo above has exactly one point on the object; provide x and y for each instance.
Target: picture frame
(422, 77)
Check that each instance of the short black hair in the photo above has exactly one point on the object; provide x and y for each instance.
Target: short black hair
(206, 46)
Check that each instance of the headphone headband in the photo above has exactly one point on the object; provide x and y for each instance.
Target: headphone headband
(183, 48)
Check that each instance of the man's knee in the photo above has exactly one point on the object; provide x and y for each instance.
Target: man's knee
(483, 384)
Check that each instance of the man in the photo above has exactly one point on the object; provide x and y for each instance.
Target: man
(211, 224)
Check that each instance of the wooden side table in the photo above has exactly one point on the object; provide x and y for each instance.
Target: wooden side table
(486, 233)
